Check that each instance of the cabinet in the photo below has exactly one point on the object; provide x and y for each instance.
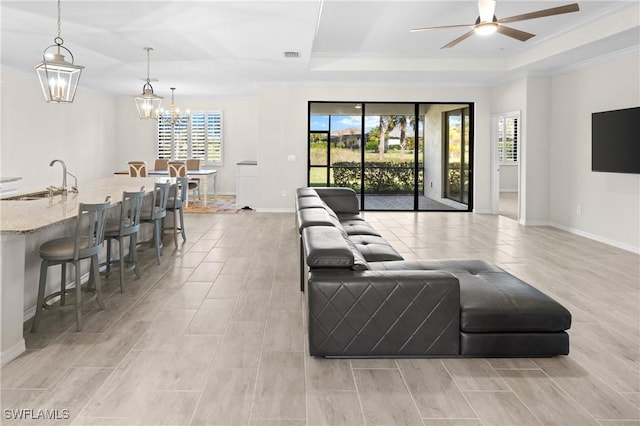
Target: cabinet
(246, 184)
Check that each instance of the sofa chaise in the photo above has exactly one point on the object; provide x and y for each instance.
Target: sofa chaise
(365, 300)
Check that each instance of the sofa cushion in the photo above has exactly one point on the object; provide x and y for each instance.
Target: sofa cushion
(306, 192)
(309, 202)
(326, 247)
(499, 302)
(312, 217)
(358, 227)
(375, 249)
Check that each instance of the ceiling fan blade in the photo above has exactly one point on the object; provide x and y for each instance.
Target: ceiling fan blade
(458, 40)
(486, 9)
(513, 33)
(542, 13)
(415, 30)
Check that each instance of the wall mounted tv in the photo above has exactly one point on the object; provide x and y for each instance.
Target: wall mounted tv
(615, 141)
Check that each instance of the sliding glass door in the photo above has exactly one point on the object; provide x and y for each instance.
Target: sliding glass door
(395, 155)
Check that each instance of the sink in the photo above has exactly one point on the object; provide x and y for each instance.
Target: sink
(38, 195)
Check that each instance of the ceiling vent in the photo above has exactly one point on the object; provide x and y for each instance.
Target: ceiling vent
(291, 54)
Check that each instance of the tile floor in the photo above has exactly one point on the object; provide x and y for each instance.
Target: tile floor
(216, 336)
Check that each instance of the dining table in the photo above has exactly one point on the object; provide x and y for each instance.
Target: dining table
(203, 174)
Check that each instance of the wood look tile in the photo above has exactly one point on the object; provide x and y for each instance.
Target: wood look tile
(226, 287)
(185, 369)
(500, 408)
(334, 408)
(280, 388)
(284, 332)
(252, 306)
(545, 399)
(171, 408)
(329, 374)
(590, 392)
(241, 345)
(211, 317)
(434, 390)
(474, 374)
(452, 422)
(239, 354)
(385, 399)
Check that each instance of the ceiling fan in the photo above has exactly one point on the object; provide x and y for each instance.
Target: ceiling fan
(487, 22)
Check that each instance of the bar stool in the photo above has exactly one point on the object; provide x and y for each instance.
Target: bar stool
(137, 169)
(85, 244)
(127, 225)
(175, 205)
(156, 212)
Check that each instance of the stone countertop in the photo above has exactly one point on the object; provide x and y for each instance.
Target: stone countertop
(23, 217)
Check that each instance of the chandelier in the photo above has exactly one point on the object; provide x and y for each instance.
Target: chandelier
(148, 103)
(58, 77)
(174, 112)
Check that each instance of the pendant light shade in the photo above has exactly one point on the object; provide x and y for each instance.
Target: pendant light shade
(58, 77)
(148, 103)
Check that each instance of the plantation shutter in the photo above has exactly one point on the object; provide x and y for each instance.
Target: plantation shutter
(197, 135)
(508, 140)
(164, 138)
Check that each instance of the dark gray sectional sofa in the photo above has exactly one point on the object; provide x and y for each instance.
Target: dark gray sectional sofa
(365, 300)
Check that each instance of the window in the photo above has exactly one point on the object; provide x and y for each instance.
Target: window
(197, 135)
(508, 140)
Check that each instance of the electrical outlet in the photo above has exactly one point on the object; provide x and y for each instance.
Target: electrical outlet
(579, 210)
(283, 193)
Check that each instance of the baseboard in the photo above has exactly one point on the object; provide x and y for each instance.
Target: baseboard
(608, 241)
(12, 353)
(272, 210)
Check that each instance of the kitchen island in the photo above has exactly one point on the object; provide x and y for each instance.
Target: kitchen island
(24, 225)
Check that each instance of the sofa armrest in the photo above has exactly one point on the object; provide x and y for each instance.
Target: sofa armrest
(390, 313)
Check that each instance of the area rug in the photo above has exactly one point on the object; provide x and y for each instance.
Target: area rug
(217, 204)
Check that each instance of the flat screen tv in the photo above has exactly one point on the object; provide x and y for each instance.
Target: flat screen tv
(615, 141)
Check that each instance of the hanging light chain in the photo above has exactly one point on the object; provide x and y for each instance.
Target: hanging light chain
(58, 40)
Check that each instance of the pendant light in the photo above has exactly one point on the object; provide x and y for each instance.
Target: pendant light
(58, 77)
(148, 103)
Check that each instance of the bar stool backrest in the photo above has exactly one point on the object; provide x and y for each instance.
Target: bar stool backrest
(137, 169)
(89, 229)
(130, 209)
(160, 197)
(177, 169)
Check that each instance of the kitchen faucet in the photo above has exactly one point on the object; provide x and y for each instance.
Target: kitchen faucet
(64, 176)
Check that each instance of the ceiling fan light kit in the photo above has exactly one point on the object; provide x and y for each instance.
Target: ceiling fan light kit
(487, 23)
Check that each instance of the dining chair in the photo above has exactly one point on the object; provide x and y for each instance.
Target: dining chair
(86, 243)
(155, 212)
(137, 168)
(175, 205)
(126, 225)
(194, 183)
(161, 164)
(177, 168)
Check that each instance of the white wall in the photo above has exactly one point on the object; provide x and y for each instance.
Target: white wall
(34, 132)
(137, 138)
(610, 202)
(508, 178)
(283, 132)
